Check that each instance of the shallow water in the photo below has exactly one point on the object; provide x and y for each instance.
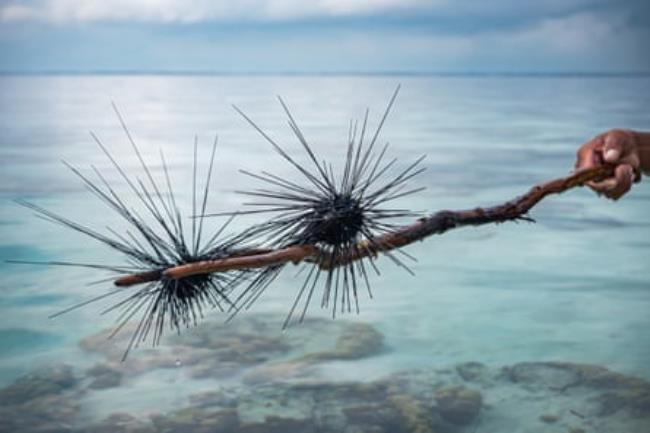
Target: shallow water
(575, 287)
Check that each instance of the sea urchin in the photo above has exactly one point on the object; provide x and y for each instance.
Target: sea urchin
(333, 213)
(153, 244)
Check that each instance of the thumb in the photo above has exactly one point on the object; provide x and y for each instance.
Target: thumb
(614, 146)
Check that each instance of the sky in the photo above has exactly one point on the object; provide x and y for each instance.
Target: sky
(325, 36)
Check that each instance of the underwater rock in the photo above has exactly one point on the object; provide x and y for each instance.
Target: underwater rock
(350, 407)
(458, 405)
(635, 401)
(41, 383)
(415, 416)
(119, 423)
(237, 347)
(209, 350)
(264, 404)
(358, 340)
(244, 342)
(548, 375)
(45, 401)
(280, 372)
(598, 377)
(104, 377)
(375, 418)
(278, 424)
(194, 420)
(473, 372)
(344, 391)
(253, 345)
(549, 418)
(560, 376)
(209, 399)
(48, 414)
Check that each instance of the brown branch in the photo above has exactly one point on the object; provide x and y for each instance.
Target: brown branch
(437, 223)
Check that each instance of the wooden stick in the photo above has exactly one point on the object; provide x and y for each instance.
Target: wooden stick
(437, 223)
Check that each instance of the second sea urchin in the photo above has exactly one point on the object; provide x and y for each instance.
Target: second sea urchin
(337, 214)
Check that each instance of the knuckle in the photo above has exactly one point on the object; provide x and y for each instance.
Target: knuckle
(620, 133)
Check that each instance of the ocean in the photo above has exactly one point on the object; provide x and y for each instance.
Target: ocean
(524, 304)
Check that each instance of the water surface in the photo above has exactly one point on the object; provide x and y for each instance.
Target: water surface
(573, 287)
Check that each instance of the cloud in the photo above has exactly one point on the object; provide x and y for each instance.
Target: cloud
(325, 35)
(195, 10)
(192, 11)
(17, 12)
(572, 34)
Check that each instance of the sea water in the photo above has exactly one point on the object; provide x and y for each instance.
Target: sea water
(573, 287)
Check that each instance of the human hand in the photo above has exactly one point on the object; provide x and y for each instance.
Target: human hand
(620, 147)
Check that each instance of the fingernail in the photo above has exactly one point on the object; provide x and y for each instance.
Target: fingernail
(611, 155)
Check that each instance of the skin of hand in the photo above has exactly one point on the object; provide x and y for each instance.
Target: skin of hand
(627, 149)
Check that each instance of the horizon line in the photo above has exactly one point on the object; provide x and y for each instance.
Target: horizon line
(333, 73)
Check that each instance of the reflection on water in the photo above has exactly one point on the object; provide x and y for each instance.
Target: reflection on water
(544, 299)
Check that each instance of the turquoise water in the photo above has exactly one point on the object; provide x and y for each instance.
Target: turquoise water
(575, 287)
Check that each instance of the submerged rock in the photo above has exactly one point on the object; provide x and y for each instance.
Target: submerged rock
(47, 414)
(217, 350)
(634, 401)
(547, 375)
(473, 372)
(358, 340)
(43, 401)
(195, 420)
(279, 372)
(614, 391)
(549, 418)
(459, 405)
(119, 423)
(210, 399)
(104, 377)
(376, 418)
(414, 415)
(278, 424)
(41, 383)
(564, 375)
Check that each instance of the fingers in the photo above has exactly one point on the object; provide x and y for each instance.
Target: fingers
(615, 187)
(617, 147)
(589, 155)
(619, 144)
(613, 148)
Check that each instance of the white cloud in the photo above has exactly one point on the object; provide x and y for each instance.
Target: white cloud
(347, 7)
(577, 42)
(574, 33)
(196, 10)
(543, 36)
(16, 12)
(261, 10)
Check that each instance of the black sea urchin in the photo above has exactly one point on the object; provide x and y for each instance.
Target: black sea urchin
(154, 244)
(340, 215)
